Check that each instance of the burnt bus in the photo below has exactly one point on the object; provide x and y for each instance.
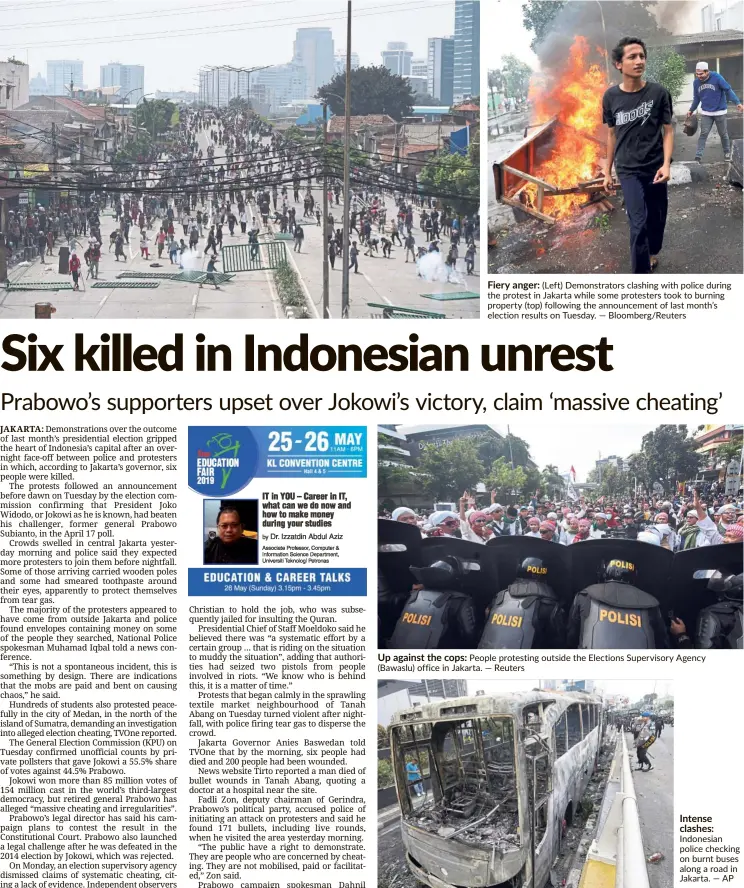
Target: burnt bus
(485, 784)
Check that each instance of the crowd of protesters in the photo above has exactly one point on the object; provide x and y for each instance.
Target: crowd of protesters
(678, 523)
(248, 180)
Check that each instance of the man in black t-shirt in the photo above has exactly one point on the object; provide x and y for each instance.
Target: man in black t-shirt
(640, 139)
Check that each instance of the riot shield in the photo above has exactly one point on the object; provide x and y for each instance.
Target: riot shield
(510, 552)
(688, 595)
(398, 547)
(448, 606)
(481, 571)
(653, 565)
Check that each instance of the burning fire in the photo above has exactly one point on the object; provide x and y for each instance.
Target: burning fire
(575, 100)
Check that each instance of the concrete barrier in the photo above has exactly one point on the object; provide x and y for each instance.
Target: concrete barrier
(616, 858)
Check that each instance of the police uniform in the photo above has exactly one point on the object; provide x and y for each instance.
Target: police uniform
(438, 615)
(527, 614)
(616, 614)
(720, 625)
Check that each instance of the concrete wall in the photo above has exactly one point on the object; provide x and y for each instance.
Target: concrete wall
(13, 85)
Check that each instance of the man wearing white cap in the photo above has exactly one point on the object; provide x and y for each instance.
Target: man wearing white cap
(712, 93)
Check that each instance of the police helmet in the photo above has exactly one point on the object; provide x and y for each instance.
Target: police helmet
(442, 574)
(532, 569)
(639, 516)
(733, 587)
(619, 571)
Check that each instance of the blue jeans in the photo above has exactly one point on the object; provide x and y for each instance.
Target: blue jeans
(706, 125)
(646, 206)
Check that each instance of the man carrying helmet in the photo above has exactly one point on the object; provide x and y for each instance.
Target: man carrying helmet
(712, 93)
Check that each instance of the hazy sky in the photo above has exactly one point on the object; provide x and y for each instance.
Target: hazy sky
(233, 32)
(577, 445)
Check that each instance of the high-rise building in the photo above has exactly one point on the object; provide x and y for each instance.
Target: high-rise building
(218, 85)
(467, 50)
(313, 49)
(340, 61)
(441, 69)
(60, 72)
(281, 85)
(397, 58)
(129, 78)
(419, 67)
(37, 86)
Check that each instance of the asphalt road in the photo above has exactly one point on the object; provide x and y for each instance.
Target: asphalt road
(655, 796)
(248, 295)
(393, 871)
(381, 281)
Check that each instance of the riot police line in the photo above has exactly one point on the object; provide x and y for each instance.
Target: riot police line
(522, 592)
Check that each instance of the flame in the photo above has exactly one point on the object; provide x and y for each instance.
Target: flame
(575, 100)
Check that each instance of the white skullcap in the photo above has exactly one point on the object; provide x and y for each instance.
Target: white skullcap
(647, 536)
(701, 66)
(402, 510)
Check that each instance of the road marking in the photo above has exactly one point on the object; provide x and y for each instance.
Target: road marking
(194, 298)
(395, 825)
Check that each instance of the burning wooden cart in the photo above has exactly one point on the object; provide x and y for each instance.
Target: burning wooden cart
(514, 176)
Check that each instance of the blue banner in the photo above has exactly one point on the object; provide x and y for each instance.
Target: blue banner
(311, 451)
(277, 581)
(225, 459)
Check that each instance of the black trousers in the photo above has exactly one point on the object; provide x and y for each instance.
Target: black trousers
(646, 206)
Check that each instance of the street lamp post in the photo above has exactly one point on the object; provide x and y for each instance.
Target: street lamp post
(326, 311)
(347, 170)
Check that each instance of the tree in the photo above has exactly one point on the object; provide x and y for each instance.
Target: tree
(454, 178)
(496, 79)
(516, 76)
(426, 99)
(667, 67)
(294, 134)
(550, 480)
(561, 20)
(391, 468)
(538, 15)
(156, 116)
(449, 469)
(374, 90)
(240, 103)
(382, 738)
(668, 456)
(611, 481)
(503, 479)
(133, 151)
(511, 447)
(728, 451)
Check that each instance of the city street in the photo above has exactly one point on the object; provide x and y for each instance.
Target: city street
(380, 280)
(249, 295)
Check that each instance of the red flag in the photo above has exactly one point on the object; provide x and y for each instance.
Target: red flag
(573, 472)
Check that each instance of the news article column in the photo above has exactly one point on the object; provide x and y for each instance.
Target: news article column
(278, 634)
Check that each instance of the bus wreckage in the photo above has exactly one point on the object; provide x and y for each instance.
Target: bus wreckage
(487, 784)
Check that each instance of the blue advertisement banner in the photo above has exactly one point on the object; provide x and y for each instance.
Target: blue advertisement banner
(277, 581)
(225, 459)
